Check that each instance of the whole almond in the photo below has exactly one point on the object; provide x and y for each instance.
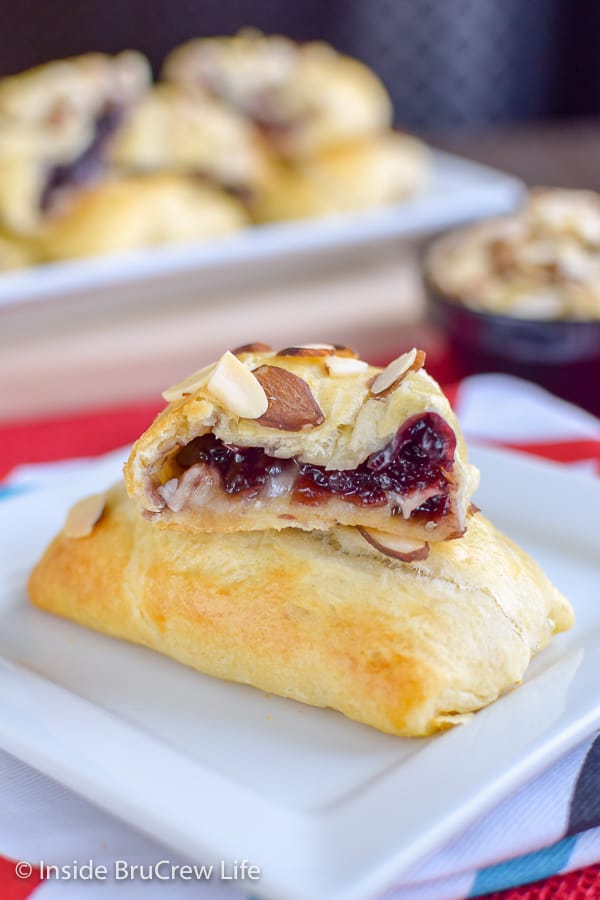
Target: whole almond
(291, 402)
(395, 373)
(82, 517)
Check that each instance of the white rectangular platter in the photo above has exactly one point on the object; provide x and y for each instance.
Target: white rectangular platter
(326, 807)
(459, 190)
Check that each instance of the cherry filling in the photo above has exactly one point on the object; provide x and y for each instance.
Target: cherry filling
(418, 458)
(88, 165)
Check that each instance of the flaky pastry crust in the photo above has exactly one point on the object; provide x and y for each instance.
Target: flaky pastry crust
(319, 617)
(355, 423)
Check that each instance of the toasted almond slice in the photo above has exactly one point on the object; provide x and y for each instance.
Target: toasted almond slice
(291, 404)
(397, 547)
(189, 385)
(397, 370)
(340, 350)
(345, 365)
(237, 388)
(313, 352)
(82, 517)
(255, 347)
(318, 346)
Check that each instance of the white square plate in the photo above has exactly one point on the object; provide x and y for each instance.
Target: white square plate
(326, 807)
(459, 190)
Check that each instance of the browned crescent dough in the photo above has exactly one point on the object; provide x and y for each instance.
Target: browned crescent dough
(356, 423)
(320, 617)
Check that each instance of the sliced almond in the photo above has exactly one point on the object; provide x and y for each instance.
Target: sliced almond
(306, 351)
(345, 365)
(189, 385)
(256, 347)
(340, 350)
(237, 388)
(291, 404)
(82, 517)
(318, 346)
(397, 370)
(397, 547)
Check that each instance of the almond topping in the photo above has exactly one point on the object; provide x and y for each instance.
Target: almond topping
(345, 351)
(318, 346)
(305, 351)
(291, 402)
(237, 388)
(345, 365)
(406, 549)
(256, 347)
(189, 385)
(396, 372)
(82, 517)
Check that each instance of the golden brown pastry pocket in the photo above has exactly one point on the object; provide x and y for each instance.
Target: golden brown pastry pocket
(319, 617)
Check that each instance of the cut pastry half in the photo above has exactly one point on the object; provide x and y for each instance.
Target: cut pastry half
(307, 437)
(321, 617)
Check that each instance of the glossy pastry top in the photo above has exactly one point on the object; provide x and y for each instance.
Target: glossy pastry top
(303, 96)
(351, 432)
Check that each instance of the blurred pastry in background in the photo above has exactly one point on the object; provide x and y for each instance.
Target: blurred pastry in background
(13, 254)
(57, 122)
(96, 159)
(355, 176)
(542, 263)
(171, 131)
(303, 97)
(135, 212)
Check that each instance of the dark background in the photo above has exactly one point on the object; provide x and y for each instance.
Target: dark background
(450, 65)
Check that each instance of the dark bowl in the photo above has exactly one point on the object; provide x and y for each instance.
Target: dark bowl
(562, 356)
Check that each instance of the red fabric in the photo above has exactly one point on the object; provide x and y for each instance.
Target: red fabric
(11, 886)
(583, 884)
(562, 451)
(81, 434)
(97, 432)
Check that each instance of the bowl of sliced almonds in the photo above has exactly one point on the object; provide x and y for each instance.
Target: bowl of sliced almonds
(521, 293)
